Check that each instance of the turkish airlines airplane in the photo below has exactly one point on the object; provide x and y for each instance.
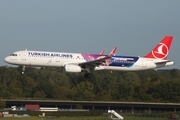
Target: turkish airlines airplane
(78, 62)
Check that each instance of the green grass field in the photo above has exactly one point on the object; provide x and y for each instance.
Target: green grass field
(80, 118)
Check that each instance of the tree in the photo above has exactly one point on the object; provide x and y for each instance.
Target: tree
(2, 103)
(60, 92)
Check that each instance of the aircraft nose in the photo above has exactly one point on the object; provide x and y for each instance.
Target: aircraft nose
(7, 59)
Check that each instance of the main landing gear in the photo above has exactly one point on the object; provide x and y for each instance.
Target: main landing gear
(87, 72)
(87, 75)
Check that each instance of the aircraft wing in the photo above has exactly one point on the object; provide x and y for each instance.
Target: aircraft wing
(94, 63)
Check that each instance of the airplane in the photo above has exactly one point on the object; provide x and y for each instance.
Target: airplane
(80, 62)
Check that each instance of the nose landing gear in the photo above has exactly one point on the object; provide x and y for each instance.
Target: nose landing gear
(23, 70)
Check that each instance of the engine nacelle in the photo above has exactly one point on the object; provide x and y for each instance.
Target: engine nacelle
(72, 68)
(99, 68)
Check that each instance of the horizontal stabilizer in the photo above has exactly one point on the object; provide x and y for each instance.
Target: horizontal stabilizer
(164, 63)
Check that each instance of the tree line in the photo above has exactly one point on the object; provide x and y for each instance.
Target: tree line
(53, 83)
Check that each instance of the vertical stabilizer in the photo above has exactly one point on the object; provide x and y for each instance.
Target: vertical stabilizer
(162, 49)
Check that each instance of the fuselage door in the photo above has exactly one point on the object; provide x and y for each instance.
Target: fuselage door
(23, 56)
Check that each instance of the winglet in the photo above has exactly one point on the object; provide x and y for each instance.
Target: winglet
(102, 53)
(162, 49)
(113, 52)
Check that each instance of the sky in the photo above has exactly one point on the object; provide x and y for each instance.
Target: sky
(135, 27)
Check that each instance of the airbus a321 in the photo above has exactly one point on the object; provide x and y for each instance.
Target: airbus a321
(78, 62)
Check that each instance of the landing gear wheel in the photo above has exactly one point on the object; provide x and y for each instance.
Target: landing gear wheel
(87, 75)
(23, 69)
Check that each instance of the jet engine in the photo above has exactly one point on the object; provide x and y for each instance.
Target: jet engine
(72, 68)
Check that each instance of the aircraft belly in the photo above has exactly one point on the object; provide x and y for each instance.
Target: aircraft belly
(117, 68)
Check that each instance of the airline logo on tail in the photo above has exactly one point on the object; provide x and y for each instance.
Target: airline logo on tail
(162, 49)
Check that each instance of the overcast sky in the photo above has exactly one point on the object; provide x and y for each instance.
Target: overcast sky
(89, 26)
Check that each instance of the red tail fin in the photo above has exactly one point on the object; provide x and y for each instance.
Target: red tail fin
(162, 49)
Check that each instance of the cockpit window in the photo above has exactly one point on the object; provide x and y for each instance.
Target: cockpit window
(13, 55)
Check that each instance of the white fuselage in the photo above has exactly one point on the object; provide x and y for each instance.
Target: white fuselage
(60, 59)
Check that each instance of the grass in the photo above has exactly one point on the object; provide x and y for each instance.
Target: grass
(80, 118)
